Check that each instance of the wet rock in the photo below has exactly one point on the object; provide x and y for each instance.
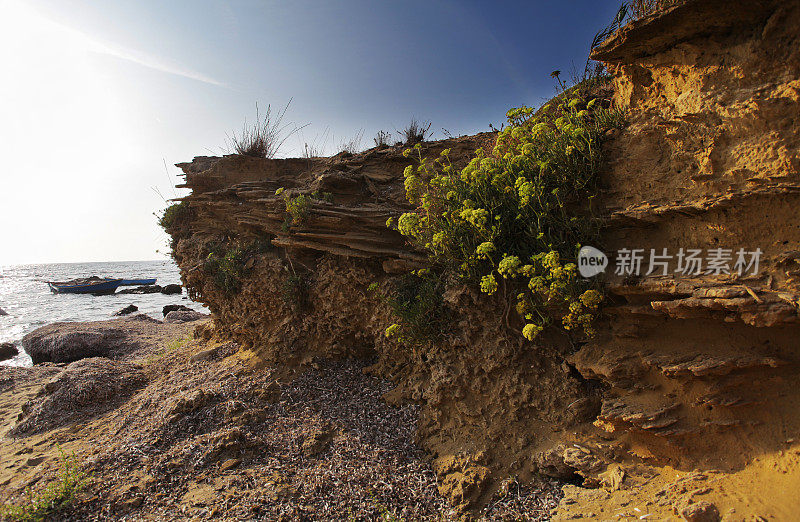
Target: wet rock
(3, 312)
(171, 289)
(148, 289)
(175, 308)
(7, 351)
(182, 316)
(127, 310)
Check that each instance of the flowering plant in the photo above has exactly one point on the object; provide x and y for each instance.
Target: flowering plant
(514, 215)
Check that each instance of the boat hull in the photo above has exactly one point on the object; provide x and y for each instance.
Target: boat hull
(100, 288)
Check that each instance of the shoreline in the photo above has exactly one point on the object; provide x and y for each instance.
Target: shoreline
(177, 423)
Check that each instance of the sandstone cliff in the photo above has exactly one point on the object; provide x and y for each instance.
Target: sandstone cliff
(685, 402)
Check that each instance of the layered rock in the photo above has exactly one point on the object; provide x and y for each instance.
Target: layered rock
(687, 373)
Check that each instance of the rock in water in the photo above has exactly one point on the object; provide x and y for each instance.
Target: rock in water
(171, 289)
(127, 310)
(182, 316)
(174, 308)
(7, 351)
(3, 312)
(147, 289)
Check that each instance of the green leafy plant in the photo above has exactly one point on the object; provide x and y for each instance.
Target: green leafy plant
(512, 221)
(227, 262)
(173, 214)
(417, 301)
(226, 268)
(297, 207)
(53, 498)
(294, 291)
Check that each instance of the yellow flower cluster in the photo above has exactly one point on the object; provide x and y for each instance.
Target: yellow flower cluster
(510, 213)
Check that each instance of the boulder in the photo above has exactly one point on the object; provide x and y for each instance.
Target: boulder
(67, 342)
(171, 289)
(182, 316)
(7, 351)
(148, 289)
(3, 312)
(127, 310)
(174, 308)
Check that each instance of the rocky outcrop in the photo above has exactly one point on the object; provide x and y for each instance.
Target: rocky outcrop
(688, 372)
(67, 342)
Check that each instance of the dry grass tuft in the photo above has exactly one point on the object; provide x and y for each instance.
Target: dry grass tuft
(265, 138)
(641, 8)
(416, 132)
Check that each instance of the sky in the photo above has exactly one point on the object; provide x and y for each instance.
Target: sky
(98, 99)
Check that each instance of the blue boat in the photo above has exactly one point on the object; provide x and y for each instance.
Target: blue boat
(137, 282)
(92, 285)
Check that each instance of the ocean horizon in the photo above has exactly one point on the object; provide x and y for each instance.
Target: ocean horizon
(26, 298)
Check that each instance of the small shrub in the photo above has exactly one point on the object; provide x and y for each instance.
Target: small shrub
(226, 263)
(297, 207)
(415, 132)
(54, 498)
(311, 151)
(226, 268)
(417, 300)
(264, 138)
(294, 290)
(173, 214)
(382, 138)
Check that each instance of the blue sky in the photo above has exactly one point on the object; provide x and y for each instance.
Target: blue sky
(99, 94)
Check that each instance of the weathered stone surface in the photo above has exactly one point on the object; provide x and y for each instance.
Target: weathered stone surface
(67, 342)
(183, 316)
(700, 512)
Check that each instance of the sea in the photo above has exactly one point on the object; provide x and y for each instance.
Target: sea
(27, 299)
